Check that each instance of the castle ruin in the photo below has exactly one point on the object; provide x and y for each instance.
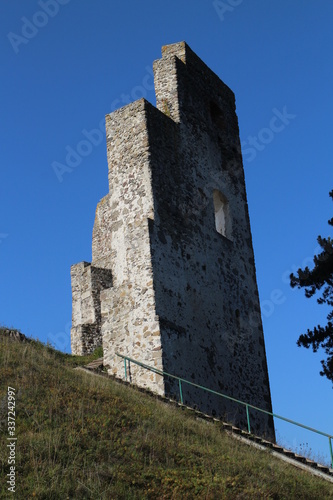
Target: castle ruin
(172, 281)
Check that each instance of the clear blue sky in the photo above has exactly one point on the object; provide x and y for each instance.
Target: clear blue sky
(82, 60)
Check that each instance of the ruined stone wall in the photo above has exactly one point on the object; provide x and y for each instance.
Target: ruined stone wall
(87, 283)
(102, 233)
(129, 323)
(174, 235)
(205, 284)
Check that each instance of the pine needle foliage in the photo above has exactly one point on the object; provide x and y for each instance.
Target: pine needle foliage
(319, 279)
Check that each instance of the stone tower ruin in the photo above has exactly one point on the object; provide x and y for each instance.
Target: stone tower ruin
(172, 281)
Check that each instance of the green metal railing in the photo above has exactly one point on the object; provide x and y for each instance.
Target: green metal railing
(247, 405)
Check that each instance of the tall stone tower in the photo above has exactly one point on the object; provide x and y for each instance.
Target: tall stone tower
(172, 282)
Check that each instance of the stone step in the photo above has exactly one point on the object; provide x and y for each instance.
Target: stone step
(95, 365)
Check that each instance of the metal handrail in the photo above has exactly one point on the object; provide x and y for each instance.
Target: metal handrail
(247, 405)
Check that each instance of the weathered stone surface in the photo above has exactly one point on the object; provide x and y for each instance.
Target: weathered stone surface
(174, 235)
(12, 334)
(87, 283)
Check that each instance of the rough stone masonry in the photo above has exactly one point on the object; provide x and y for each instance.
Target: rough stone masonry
(172, 281)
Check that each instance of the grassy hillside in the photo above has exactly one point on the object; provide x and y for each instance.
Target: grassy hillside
(80, 436)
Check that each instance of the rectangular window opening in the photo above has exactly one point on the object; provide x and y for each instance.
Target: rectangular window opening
(222, 214)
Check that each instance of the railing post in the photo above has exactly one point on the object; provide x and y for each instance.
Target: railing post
(331, 450)
(125, 369)
(180, 391)
(248, 419)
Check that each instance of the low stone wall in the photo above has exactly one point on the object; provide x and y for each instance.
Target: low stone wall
(12, 334)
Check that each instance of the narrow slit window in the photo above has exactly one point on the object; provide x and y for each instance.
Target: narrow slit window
(222, 214)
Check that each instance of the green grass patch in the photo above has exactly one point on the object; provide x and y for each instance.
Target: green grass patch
(87, 437)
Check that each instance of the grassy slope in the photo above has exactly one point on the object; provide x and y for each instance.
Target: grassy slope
(81, 436)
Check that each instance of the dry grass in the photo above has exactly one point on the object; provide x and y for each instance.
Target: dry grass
(87, 437)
